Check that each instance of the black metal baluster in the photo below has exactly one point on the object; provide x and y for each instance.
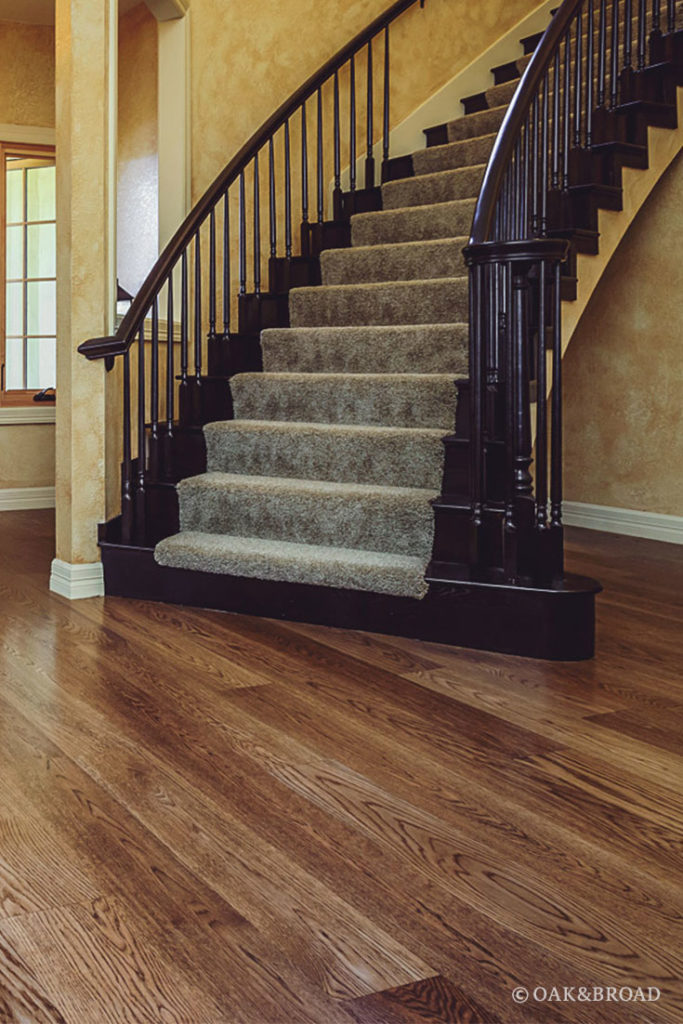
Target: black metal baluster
(243, 237)
(212, 274)
(304, 176)
(337, 199)
(272, 205)
(614, 63)
(545, 132)
(369, 124)
(628, 34)
(524, 217)
(535, 223)
(656, 17)
(141, 489)
(257, 227)
(590, 70)
(386, 115)
(556, 416)
(127, 507)
(288, 195)
(184, 323)
(602, 54)
(226, 265)
(352, 123)
(642, 33)
(154, 393)
(555, 180)
(671, 16)
(170, 372)
(566, 127)
(519, 190)
(197, 311)
(578, 80)
(541, 407)
(320, 165)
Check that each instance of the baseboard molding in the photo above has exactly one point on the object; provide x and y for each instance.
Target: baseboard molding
(13, 499)
(628, 521)
(77, 581)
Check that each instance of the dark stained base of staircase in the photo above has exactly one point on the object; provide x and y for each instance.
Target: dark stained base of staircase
(555, 624)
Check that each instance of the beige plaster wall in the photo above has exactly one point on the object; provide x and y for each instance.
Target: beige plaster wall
(624, 369)
(27, 97)
(137, 192)
(27, 74)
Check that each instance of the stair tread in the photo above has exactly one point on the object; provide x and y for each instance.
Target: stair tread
(370, 286)
(330, 377)
(217, 480)
(289, 561)
(331, 429)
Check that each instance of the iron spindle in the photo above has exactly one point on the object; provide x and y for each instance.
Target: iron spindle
(524, 218)
(288, 195)
(337, 148)
(197, 308)
(170, 360)
(578, 80)
(614, 63)
(590, 61)
(555, 180)
(642, 33)
(304, 168)
(671, 16)
(154, 386)
(545, 155)
(628, 34)
(320, 165)
(212, 273)
(535, 223)
(656, 17)
(602, 54)
(369, 117)
(541, 408)
(243, 237)
(257, 227)
(226, 265)
(352, 123)
(566, 133)
(519, 188)
(184, 317)
(127, 468)
(272, 206)
(141, 495)
(387, 83)
(556, 414)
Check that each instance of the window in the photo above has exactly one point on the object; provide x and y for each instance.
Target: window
(28, 265)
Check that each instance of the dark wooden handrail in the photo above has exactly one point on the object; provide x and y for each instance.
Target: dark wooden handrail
(107, 348)
(515, 118)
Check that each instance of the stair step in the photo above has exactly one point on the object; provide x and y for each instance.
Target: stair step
(473, 126)
(431, 348)
(414, 223)
(440, 187)
(441, 300)
(254, 557)
(512, 69)
(393, 456)
(400, 261)
(371, 399)
(453, 155)
(346, 515)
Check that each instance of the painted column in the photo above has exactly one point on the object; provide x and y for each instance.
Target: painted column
(86, 64)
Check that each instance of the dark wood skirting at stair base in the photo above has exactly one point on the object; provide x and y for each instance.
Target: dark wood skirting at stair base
(557, 623)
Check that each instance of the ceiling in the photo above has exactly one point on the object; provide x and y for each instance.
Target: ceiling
(41, 12)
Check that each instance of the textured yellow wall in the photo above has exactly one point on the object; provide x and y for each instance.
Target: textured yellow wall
(261, 51)
(27, 97)
(624, 369)
(27, 74)
(137, 201)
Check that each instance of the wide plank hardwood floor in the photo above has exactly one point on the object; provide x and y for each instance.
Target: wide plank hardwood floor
(215, 819)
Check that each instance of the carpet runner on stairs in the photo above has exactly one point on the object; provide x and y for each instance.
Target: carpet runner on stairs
(327, 473)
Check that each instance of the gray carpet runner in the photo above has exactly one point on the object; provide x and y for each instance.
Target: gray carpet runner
(327, 473)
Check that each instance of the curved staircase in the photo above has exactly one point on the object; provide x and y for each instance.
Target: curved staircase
(359, 452)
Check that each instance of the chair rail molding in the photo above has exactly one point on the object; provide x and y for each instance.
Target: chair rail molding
(76, 581)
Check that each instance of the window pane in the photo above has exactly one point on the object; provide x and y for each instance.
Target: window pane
(41, 250)
(15, 252)
(15, 196)
(41, 193)
(14, 321)
(41, 301)
(41, 368)
(14, 364)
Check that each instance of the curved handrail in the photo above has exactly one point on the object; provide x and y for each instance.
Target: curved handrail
(99, 348)
(515, 117)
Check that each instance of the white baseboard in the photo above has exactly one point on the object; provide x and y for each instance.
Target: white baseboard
(14, 498)
(652, 525)
(77, 581)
